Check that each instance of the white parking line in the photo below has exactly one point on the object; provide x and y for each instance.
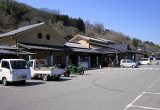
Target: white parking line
(137, 98)
(148, 108)
(131, 104)
(141, 68)
(152, 93)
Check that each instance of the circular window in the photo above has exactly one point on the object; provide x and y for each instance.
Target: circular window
(48, 37)
(39, 35)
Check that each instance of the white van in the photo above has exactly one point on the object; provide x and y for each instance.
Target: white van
(14, 70)
(145, 61)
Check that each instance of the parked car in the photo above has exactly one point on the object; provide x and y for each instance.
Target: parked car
(12, 70)
(40, 70)
(128, 63)
(145, 61)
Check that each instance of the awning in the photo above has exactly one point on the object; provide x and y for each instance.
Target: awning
(24, 53)
(7, 52)
(134, 52)
(14, 52)
(107, 50)
(40, 47)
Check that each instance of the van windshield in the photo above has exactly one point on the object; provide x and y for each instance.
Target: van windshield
(19, 65)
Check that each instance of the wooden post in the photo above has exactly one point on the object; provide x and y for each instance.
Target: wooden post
(97, 61)
(67, 60)
(89, 62)
(79, 60)
(51, 60)
(29, 57)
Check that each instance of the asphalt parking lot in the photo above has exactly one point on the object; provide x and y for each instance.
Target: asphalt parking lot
(101, 89)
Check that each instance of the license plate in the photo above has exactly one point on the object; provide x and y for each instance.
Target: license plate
(22, 77)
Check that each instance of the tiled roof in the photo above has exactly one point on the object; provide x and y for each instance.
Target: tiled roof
(40, 47)
(120, 47)
(25, 53)
(79, 48)
(56, 48)
(98, 39)
(7, 47)
(14, 52)
(76, 49)
(6, 52)
(68, 44)
(89, 38)
(105, 40)
(107, 50)
(21, 29)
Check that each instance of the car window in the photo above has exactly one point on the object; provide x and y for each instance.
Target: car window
(5, 64)
(19, 65)
(30, 64)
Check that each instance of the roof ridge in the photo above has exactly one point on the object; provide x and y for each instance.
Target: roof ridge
(21, 29)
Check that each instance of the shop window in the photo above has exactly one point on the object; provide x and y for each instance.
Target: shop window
(48, 37)
(39, 35)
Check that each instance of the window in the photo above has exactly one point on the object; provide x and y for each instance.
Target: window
(39, 35)
(30, 64)
(5, 65)
(48, 37)
(19, 65)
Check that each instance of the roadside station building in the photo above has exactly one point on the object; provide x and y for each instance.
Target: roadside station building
(38, 38)
(106, 52)
(41, 41)
(91, 50)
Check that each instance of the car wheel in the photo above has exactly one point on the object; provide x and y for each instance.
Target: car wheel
(57, 78)
(122, 66)
(23, 81)
(45, 77)
(133, 66)
(4, 81)
(81, 72)
(66, 74)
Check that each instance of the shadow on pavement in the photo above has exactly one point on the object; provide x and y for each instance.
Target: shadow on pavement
(86, 74)
(62, 79)
(71, 76)
(26, 84)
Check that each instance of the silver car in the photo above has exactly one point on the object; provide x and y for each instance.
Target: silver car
(128, 63)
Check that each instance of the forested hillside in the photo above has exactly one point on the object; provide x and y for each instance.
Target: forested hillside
(14, 15)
